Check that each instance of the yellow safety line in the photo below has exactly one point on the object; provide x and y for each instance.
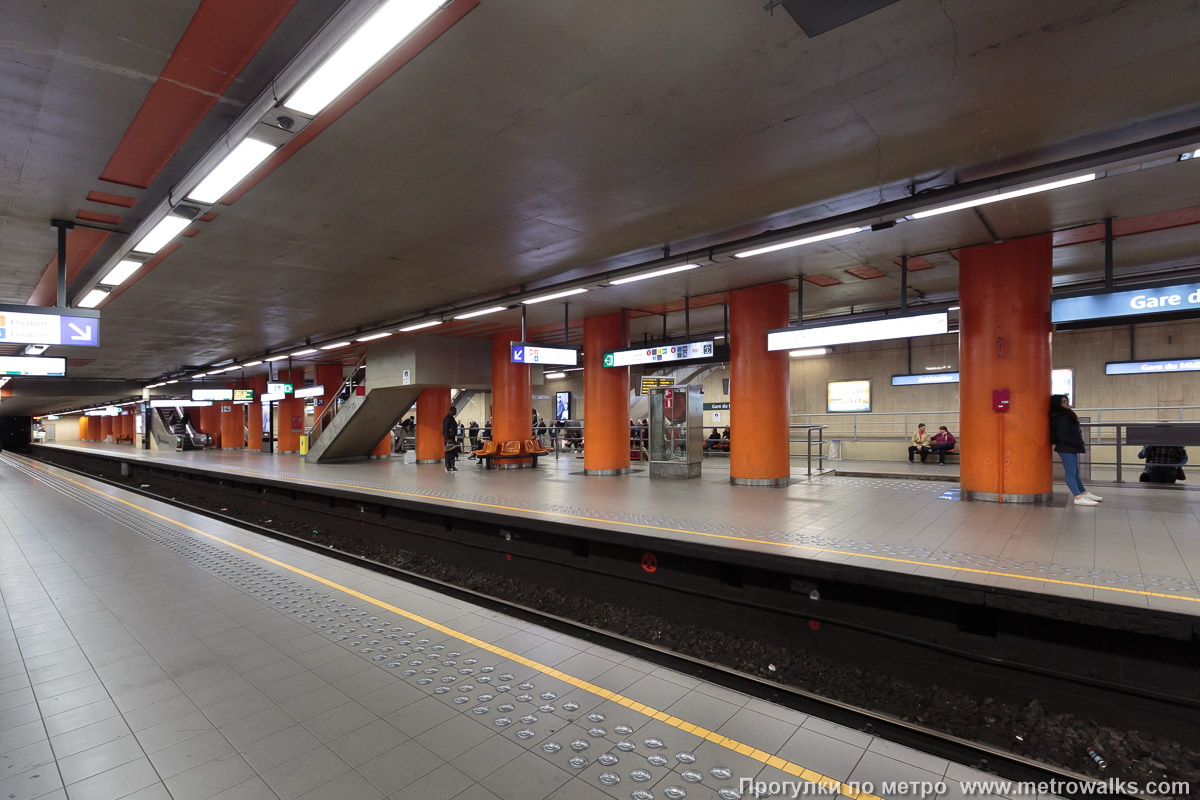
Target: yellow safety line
(633, 705)
(728, 537)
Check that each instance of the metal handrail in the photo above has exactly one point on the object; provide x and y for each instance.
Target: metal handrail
(332, 406)
(1119, 441)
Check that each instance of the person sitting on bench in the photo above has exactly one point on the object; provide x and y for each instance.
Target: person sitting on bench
(1164, 463)
(712, 440)
(919, 443)
(943, 442)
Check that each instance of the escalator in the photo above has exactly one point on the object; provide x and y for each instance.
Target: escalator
(172, 432)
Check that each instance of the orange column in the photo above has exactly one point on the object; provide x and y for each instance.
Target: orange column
(254, 426)
(84, 435)
(605, 397)
(1004, 343)
(291, 413)
(210, 419)
(106, 428)
(432, 405)
(512, 399)
(384, 448)
(759, 388)
(233, 426)
(124, 425)
(329, 376)
(93, 429)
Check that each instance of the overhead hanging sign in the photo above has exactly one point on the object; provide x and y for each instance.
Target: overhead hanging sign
(850, 332)
(654, 355)
(271, 397)
(1133, 303)
(279, 388)
(530, 353)
(924, 378)
(1151, 367)
(37, 366)
(180, 403)
(309, 391)
(19, 327)
(212, 394)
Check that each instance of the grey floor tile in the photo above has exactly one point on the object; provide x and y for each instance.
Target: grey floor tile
(209, 778)
(157, 713)
(170, 761)
(455, 736)
(173, 731)
(830, 757)
(254, 789)
(304, 773)
(117, 782)
(79, 717)
(445, 781)
(415, 719)
(279, 748)
(369, 741)
(339, 721)
(31, 783)
(526, 776)
(22, 759)
(399, 767)
(100, 758)
(258, 725)
(348, 785)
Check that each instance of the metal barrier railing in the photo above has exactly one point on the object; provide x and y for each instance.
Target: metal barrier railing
(1118, 440)
(888, 424)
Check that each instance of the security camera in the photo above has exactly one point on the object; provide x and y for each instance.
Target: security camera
(285, 122)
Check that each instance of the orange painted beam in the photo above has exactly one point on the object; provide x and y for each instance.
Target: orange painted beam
(82, 243)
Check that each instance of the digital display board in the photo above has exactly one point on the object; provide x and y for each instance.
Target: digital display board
(33, 366)
(212, 394)
(22, 328)
(654, 355)
(1062, 381)
(1151, 367)
(530, 353)
(562, 406)
(243, 395)
(848, 396)
(851, 332)
(655, 382)
(1132, 303)
(924, 378)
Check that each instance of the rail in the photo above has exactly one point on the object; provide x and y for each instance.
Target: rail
(322, 420)
(1118, 440)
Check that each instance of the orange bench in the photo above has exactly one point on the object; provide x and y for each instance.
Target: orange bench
(493, 451)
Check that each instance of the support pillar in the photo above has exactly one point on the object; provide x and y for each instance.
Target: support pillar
(254, 426)
(106, 428)
(233, 426)
(84, 433)
(605, 398)
(512, 399)
(759, 389)
(1004, 343)
(384, 448)
(432, 405)
(330, 376)
(291, 413)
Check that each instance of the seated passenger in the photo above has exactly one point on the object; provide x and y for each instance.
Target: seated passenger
(712, 440)
(1164, 463)
(919, 443)
(943, 442)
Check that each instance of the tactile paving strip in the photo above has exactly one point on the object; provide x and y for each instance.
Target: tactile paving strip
(622, 752)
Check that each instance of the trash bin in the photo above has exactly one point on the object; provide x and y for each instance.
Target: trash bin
(835, 450)
(304, 444)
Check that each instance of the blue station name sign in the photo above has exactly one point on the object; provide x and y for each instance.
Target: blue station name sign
(1133, 303)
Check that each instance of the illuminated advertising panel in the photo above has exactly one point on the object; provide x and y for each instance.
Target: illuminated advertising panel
(848, 396)
(851, 332)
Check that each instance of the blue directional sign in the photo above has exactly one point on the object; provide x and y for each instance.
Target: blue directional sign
(17, 327)
(1134, 303)
(553, 356)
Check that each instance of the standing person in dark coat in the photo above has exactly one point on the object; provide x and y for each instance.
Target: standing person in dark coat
(1067, 438)
(473, 428)
(450, 435)
(541, 431)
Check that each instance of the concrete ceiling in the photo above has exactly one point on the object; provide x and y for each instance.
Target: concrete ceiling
(539, 142)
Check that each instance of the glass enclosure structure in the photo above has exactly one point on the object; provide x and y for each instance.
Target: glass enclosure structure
(676, 432)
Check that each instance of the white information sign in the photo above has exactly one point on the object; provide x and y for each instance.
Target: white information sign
(21, 328)
(653, 355)
(527, 353)
(869, 331)
(40, 366)
(310, 391)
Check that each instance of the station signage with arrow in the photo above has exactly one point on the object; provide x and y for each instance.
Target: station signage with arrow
(21, 327)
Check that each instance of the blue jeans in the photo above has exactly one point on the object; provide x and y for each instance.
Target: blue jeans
(1070, 462)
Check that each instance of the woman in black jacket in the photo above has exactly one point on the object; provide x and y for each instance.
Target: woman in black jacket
(1067, 438)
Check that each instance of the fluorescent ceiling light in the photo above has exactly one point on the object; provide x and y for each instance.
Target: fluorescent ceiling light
(200, 375)
(36, 349)
(215, 372)
(175, 381)
(335, 345)
(275, 358)
(307, 352)
(820, 237)
(870, 331)
(93, 298)
(420, 325)
(555, 296)
(361, 51)
(719, 336)
(954, 308)
(996, 198)
(646, 275)
(480, 313)
(121, 272)
(374, 336)
(811, 351)
(251, 364)
(554, 375)
(240, 162)
(162, 233)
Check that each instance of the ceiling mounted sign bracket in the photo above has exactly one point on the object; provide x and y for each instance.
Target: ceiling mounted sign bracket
(62, 226)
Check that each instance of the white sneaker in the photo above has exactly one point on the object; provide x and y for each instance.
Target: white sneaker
(1095, 497)
(1084, 500)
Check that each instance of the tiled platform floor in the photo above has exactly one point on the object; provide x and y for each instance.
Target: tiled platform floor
(1140, 547)
(150, 653)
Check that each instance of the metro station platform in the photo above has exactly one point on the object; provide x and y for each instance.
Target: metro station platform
(148, 652)
(1139, 549)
